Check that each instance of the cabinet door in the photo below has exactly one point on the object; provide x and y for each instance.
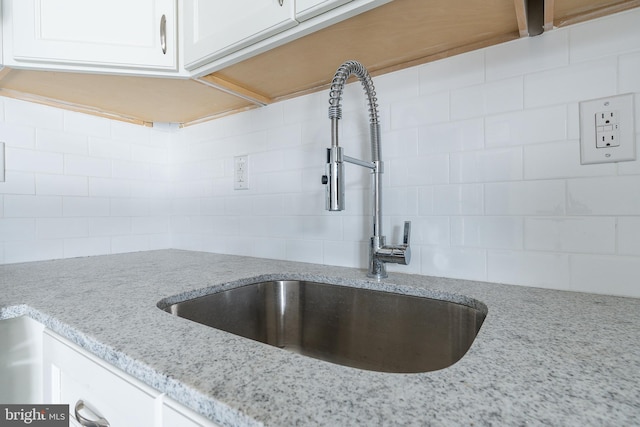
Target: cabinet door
(306, 9)
(213, 29)
(72, 375)
(20, 361)
(115, 33)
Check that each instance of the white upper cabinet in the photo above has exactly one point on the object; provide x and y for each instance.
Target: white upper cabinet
(90, 35)
(215, 28)
(306, 9)
(217, 33)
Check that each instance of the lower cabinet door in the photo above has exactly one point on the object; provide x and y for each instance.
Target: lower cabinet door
(99, 392)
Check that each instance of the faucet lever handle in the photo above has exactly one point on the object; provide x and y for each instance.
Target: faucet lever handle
(407, 233)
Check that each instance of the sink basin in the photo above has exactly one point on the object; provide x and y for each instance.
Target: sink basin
(360, 328)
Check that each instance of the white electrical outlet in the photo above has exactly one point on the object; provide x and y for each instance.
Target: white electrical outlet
(241, 172)
(1, 161)
(607, 131)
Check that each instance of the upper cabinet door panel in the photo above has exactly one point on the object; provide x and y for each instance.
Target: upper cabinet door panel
(213, 29)
(306, 9)
(137, 34)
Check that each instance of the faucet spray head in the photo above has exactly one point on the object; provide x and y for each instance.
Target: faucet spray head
(333, 179)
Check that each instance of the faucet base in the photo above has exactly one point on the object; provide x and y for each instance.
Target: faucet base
(377, 268)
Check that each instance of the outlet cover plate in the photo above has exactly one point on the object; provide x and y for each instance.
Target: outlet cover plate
(607, 130)
(241, 172)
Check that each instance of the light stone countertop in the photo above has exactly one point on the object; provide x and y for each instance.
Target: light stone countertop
(542, 357)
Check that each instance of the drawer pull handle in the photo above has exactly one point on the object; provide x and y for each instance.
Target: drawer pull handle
(163, 34)
(86, 422)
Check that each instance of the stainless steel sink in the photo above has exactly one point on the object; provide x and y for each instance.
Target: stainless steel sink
(361, 328)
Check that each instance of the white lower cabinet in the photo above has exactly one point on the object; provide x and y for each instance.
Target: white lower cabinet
(73, 377)
(103, 393)
(20, 361)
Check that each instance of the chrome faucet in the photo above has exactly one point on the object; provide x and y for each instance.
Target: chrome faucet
(379, 252)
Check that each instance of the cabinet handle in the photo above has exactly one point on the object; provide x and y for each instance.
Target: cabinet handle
(163, 34)
(98, 422)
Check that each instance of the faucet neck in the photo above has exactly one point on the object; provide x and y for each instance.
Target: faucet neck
(338, 82)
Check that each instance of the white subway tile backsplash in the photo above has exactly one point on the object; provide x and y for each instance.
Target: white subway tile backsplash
(238, 205)
(425, 110)
(85, 206)
(303, 251)
(61, 228)
(573, 121)
(107, 187)
(284, 137)
(33, 250)
(538, 269)
(526, 127)
(449, 137)
(86, 166)
(33, 115)
(62, 185)
(487, 232)
(61, 142)
(129, 207)
(16, 229)
(128, 132)
(109, 226)
(86, 246)
(629, 72)
(345, 254)
(403, 84)
(128, 169)
(19, 206)
(18, 136)
(458, 263)
(574, 83)
(426, 201)
(527, 55)
(560, 159)
(571, 234)
(454, 72)
(464, 199)
(280, 182)
(18, 183)
(85, 125)
(490, 98)
(124, 244)
(628, 235)
(269, 248)
(399, 143)
(418, 171)
(604, 37)
(615, 195)
(271, 204)
(109, 149)
(149, 154)
(487, 166)
(606, 274)
(526, 198)
(150, 225)
(401, 201)
(21, 160)
(431, 230)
